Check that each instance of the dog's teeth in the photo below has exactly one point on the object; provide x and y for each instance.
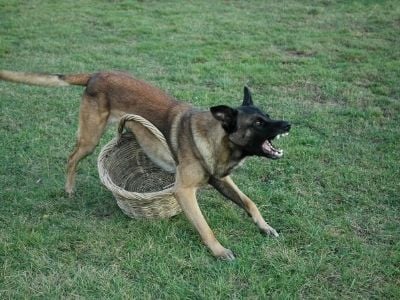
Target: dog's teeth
(278, 136)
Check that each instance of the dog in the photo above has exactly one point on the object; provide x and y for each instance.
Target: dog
(207, 145)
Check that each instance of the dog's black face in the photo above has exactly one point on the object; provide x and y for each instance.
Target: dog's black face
(250, 129)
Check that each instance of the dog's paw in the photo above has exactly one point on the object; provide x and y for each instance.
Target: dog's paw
(268, 230)
(225, 254)
(70, 193)
(69, 190)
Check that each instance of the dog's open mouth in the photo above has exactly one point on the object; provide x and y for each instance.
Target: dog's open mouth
(270, 150)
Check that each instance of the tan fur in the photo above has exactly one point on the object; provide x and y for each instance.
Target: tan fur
(152, 146)
(35, 79)
(202, 151)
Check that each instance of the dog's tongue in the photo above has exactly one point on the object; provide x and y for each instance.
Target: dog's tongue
(269, 149)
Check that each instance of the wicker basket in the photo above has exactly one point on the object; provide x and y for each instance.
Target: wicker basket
(141, 188)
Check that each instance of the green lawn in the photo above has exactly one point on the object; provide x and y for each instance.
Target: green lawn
(330, 67)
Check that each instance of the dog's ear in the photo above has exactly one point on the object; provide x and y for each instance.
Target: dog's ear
(247, 99)
(226, 115)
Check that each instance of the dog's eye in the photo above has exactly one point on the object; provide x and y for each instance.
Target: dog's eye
(259, 123)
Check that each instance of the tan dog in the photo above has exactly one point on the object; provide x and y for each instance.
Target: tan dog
(206, 145)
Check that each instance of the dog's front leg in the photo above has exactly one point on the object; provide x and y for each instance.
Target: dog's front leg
(229, 189)
(186, 196)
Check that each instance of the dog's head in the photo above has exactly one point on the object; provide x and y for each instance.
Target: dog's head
(250, 129)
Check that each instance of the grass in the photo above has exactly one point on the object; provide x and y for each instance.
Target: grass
(330, 67)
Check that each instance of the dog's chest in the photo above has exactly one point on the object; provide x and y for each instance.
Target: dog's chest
(227, 168)
(218, 159)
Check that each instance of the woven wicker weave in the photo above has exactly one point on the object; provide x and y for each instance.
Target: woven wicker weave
(141, 188)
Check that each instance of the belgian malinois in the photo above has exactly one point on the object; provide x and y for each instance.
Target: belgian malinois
(206, 145)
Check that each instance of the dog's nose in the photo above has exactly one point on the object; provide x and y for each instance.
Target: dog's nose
(287, 126)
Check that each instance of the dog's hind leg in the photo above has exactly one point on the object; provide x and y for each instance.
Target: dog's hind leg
(93, 118)
(228, 188)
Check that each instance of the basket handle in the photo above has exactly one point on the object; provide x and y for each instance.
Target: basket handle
(121, 125)
(165, 160)
(136, 118)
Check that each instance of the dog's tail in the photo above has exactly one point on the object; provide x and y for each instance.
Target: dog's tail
(45, 79)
